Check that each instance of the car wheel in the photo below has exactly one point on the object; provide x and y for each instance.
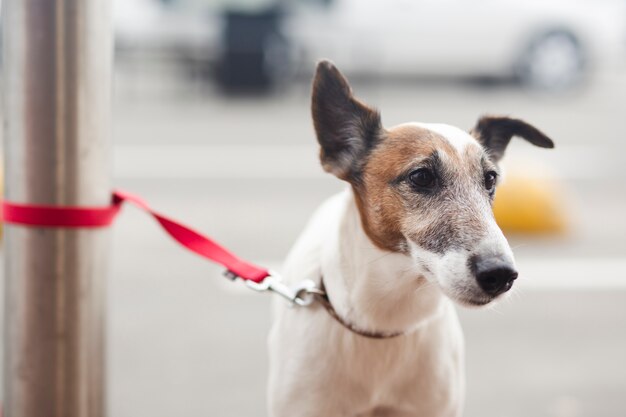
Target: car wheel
(552, 62)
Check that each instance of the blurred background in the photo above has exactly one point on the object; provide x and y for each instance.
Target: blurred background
(212, 126)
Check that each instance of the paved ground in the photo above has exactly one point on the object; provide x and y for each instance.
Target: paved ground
(183, 342)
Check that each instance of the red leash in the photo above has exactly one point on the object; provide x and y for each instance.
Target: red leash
(303, 293)
(88, 217)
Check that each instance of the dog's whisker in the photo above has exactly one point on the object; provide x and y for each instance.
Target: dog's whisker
(408, 269)
(379, 258)
(496, 309)
(519, 245)
(518, 294)
(424, 286)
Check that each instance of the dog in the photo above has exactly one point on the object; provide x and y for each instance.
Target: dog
(413, 232)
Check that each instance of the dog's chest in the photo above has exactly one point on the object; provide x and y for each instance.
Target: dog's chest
(416, 373)
(420, 374)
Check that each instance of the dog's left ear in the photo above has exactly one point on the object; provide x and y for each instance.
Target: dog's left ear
(346, 128)
(495, 133)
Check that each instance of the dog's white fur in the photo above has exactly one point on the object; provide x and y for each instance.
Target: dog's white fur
(416, 374)
(455, 136)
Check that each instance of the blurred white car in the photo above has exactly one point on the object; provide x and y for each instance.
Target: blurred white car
(549, 44)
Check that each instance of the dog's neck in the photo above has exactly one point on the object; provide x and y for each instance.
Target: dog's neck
(371, 288)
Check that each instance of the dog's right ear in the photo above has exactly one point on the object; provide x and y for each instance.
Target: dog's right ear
(346, 128)
(495, 133)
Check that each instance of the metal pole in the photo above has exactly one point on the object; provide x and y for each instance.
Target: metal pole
(57, 72)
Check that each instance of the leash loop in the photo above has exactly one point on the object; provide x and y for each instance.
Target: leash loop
(37, 215)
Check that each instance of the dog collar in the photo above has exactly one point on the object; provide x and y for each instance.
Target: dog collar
(322, 298)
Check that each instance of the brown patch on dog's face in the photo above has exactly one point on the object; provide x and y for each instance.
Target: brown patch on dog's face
(447, 214)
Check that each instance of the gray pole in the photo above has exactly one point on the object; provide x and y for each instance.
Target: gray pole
(57, 72)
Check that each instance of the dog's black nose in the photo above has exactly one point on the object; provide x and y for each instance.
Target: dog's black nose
(496, 281)
(494, 275)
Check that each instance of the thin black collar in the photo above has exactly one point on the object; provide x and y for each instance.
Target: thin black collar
(323, 299)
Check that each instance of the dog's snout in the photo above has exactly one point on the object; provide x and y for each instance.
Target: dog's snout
(494, 275)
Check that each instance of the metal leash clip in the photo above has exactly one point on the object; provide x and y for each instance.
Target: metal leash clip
(300, 294)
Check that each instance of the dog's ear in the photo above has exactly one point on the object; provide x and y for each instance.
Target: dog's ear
(346, 128)
(495, 133)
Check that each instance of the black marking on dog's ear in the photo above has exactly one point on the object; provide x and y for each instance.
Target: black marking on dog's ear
(346, 128)
(495, 133)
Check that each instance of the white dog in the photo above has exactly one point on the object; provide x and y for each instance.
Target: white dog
(414, 230)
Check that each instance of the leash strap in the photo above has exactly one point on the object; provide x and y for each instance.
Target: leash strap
(257, 278)
(94, 217)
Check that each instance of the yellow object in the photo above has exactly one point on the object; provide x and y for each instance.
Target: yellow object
(529, 206)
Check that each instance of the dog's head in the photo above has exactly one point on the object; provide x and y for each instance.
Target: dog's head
(423, 189)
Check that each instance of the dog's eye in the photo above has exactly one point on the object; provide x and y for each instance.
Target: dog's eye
(490, 181)
(423, 178)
